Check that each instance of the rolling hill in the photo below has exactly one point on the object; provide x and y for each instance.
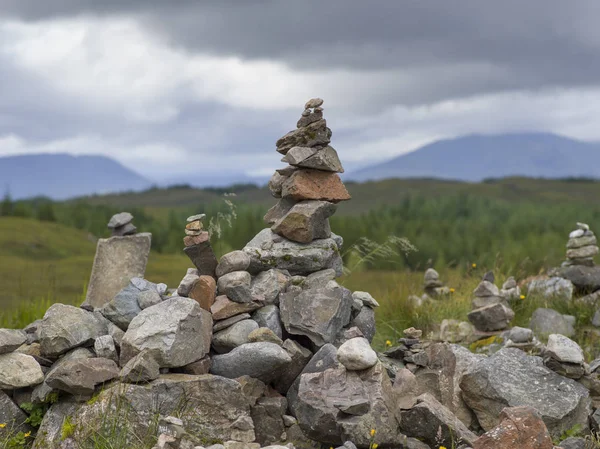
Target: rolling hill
(478, 157)
(61, 176)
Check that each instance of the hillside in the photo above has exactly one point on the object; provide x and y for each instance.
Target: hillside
(477, 157)
(61, 176)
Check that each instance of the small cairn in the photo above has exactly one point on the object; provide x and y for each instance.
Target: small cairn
(581, 247)
(491, 312)
(309, 187)
(121, 224)
(411, 351)
(433, 286)
(198, 247)
(510, 290)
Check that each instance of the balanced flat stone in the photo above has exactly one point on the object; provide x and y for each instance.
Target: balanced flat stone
(306, 221)
(325, 159)
(119, 220)
(203, 257)
(117, 260)
(315, 134)
(315, 185)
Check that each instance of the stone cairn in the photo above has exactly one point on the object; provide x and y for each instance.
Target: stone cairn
(581, 247)
(198, 247)
(121, 224)
(433, 286)
(510, 290)
(491, 312)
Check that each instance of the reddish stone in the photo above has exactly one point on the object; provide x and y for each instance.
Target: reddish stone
(191, 240)
(520, 427)
(315, 185)
(194, 226)
(204, 291)
(224, 308)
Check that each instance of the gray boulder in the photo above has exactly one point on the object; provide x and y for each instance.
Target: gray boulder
(306, 221)
(320, 279)
(234, 336)
(141, 368)
(233, 261)
(269, 316)
(224, 324)
(104, 347)
(12, 416)
(365, 321)
(80, 377)
(129, 302)
(574, 443)
(510, 378)
(564, 349)
(269, 284)
(19, 371)
(177, 332)
(67, 327)
(356, 354)
(187, 283)
(325, 159)
(491, 318)
(236, 286)
(264, 361)
(117, 260)
(554, 287)
(268, 250)
(203, 257)
(585, 279)
(11, 339)
(549, 321)
(300, 357)
(318, 314)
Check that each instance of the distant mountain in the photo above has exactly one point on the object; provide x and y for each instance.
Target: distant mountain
(62, 176)
(478, 157)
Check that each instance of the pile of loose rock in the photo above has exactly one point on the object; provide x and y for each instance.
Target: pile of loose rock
(581, 247)
(491, 312)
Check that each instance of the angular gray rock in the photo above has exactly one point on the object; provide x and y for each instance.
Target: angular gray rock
(564, 349)
(554, 287)
(300, 357)
(203, 257)
(269, 284)
(234, 336)
(11, 339)
(223, 308)
(139, 294)
(312, 135)
(269, 317)
(119, 220)
(491, 318)
(318, 314)
(104, 347)
(187, 283)
(584, 240)
(320, 279)
(80, 377)
(366, 299)
(117, 260)
(511, 378)
(177, 332)
(268, 250)
(337, 405)
(12, 416)
(264, 334)
(325, 159)
(306, 221)
(519, 335)
(549, 321)
(585, 279)
(279, 210)
(431, 422)
(141, 368)
(263, 361)
(19, 371)
(365, 321)
(356, 354)
(236, 286)
(224, 324)
(267, 415)
(298, 154)
(233, 261)
(67, 327)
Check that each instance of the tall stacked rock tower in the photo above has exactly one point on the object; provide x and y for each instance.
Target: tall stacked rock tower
(581, 247)
(310, 185)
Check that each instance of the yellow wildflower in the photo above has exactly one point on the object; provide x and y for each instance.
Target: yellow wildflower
(27, 434)
(372, 432)
(474, 265)
(374, 446)
(388, 343)
(2, 426)
(451, 290)
(442, 447)
(522, 296)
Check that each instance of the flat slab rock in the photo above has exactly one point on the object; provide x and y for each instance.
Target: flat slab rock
(117, 260)
(510, 378)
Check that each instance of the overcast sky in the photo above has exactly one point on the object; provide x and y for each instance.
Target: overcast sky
(184, 87)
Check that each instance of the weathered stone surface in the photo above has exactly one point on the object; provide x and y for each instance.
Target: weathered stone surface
(322, 396)
(104, 347)
(275, 184)
(356, 354)
(582, 252)
(278, 211)
(564, 349)
(313, 103)
(318, 314)
(19, 371)
(312, 135)
(236, 286)
(325, 159)
(519, 335)
(549, 321)
(434, 424)
(520, 427)
(204, 291)
(269, 284)
(199, 367)
(579, 242)
(11, 339)
(585, 279)
(298, 154)
(268, 250)
(264, 334)
(67, 327)
(510, 378)
(574, 443)
(324, 358)
(267, 415)
(263, 361)
(234, 336)
(186, 284)
(224, 324)
(117, 260)
(233, 261)
(315, 185)
(491, 318)
(306, 221)
(211, 407)
(309, 117)
(176, 331)
(223, 308)
(12, 417)
(269, 317)
(319, 279)
(127, 304)
(366, 299)
(300, 357)
(81, 376)
(141, 368)
(203, 258)
(554, 287)
(200, 238)
(119, 220)
(365, 321)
